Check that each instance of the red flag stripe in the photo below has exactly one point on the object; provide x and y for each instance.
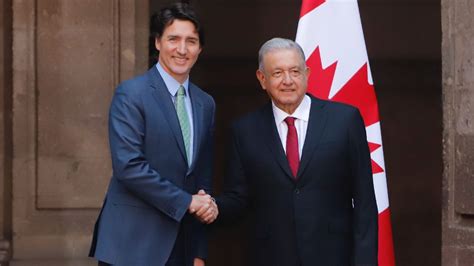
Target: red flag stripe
(309, 5)
(387, 257)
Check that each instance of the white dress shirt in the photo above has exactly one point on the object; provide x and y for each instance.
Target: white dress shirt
(301, 122)
(173, 86)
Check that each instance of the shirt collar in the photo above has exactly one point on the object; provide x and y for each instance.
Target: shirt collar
(171, 84)
(301, 112)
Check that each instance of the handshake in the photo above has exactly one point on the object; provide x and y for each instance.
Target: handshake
(204, 207)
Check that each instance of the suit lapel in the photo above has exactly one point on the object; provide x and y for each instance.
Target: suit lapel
(198, 113)
(163, 98)
(272, 139)
(316, 125)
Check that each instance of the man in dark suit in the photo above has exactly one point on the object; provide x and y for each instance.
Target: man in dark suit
(303, 167)
(161, 137)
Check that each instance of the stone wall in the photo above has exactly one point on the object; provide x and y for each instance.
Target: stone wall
(5, 131)
(458, 133)
(68, 56)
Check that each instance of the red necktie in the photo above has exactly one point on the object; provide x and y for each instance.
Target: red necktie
(292, 153)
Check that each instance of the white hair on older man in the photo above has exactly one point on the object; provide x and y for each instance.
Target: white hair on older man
(278, 44)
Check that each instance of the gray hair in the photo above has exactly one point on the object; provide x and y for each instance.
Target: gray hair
(278, 44)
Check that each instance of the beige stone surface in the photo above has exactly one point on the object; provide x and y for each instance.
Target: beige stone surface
(458, 134)
(68, 56)
(76, 68)
(5, 130)
(64, 262)
(2, 108)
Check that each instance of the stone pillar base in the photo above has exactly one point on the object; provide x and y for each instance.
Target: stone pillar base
(5, 252)
(55, 262)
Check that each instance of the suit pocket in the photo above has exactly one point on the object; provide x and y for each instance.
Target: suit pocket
(128, 200)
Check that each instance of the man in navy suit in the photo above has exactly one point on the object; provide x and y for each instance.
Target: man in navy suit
(161, 142)
(302, 166)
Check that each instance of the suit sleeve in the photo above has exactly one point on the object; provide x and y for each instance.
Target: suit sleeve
(206, 163)
(130, 166)
(234, 199)
(365, 208)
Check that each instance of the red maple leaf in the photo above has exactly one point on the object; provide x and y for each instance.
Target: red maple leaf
(359, 93)
(373, 146)
(356, 92)
(320, 79)
(375, 166)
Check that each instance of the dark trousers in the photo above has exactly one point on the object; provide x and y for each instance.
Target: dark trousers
(178, 255)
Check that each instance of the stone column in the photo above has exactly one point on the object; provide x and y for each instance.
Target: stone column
(68, 56)
(5, 130)
(458, 134)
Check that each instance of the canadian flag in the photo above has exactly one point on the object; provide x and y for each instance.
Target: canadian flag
(330, 33)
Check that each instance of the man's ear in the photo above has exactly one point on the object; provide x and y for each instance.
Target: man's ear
(261, 78)
(157, 43)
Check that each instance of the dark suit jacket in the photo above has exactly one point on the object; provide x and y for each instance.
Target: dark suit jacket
(311, 221)
(151, 187)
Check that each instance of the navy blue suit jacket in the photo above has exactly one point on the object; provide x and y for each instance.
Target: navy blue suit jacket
(328, 216)
(152, 185)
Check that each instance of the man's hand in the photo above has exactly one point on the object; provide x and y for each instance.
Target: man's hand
(207, 213)
(199, 201)
(198, 262)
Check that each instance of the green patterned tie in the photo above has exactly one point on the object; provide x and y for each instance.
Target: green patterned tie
(183, 120)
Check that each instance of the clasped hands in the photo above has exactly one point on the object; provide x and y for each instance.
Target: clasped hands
(204, 207)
